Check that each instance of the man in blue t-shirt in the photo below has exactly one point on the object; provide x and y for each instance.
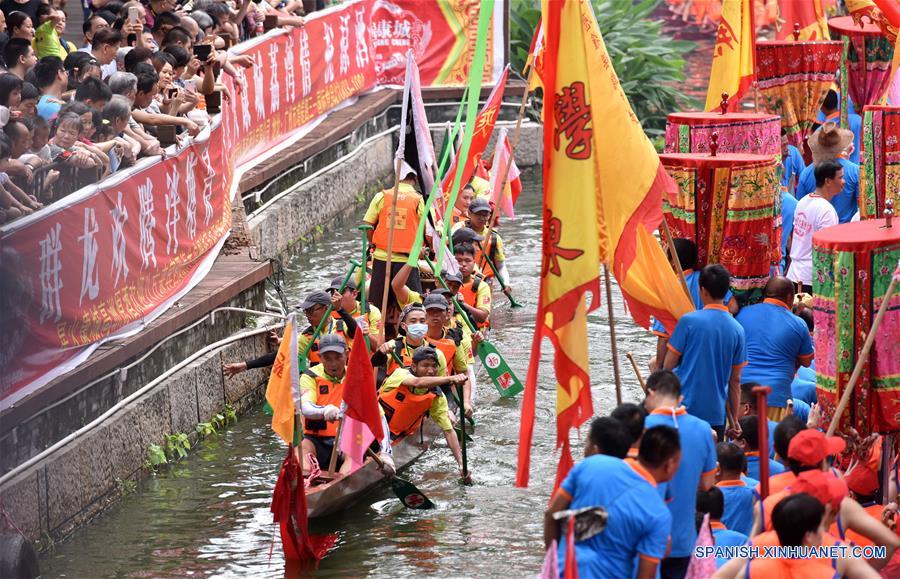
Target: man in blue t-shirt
(637, 533)
(827, 144)
(792, 163)
(778, 343)
(696, 471)
(687, 257)
(712, 502)
(739, 495)
(788, 206)
(707, 351)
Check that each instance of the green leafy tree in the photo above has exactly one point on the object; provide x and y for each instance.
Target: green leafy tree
(649, 63)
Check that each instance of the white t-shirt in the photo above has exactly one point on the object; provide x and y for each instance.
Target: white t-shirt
(812, 214)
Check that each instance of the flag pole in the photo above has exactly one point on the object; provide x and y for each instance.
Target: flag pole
(512, 153)
(363, 303)
(388, 266)
(861, 360)
(637, 371)
(612, 335)
(332, 462)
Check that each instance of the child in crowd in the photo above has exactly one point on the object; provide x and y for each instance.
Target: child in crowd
(749, 442)
(738, 494)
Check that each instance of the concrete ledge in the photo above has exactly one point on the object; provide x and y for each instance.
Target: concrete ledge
(51, 499)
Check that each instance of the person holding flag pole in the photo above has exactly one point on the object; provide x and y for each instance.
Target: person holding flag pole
(289, 497)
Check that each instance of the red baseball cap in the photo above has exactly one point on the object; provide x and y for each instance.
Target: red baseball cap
(825, 487)
(810, 447)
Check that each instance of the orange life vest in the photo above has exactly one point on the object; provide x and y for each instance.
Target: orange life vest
(406, 223)
(403, 409)
(486, 269)
(790, 568)
(313, 356)
(329, 393)
(447, 345)
(469, 294)
(402, 352)
(457, 216)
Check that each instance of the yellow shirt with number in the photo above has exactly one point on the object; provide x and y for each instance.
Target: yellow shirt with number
(439, 411)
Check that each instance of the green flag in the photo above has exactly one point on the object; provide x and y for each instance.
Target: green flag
(476, 74)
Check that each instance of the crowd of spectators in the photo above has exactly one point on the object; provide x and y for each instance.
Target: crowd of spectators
(144, 76)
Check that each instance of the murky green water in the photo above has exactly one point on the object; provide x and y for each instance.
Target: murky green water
(209, 515)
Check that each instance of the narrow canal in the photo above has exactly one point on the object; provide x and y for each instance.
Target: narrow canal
(208, 515)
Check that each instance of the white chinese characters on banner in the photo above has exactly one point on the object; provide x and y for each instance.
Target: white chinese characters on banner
(259, 93)
(305, 73)
(328, 38)
(190, 184)
(345, 45)
(274, 85)
(90, 277)
(241, 86)
(51, 280)
(207, 186)
(173, 215)
(148, 222)
(289, 70)
(119, 215)
(362, 46)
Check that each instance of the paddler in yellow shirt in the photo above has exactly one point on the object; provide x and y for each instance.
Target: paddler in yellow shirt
(408, 394)
(321, 403)
(479, 215)
(410, 210)
(349, 304)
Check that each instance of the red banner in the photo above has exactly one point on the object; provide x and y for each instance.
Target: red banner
(441, 35)
(108, 259)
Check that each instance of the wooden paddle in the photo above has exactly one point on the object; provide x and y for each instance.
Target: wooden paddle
(502, 376)
(462, 441)
(409, 495)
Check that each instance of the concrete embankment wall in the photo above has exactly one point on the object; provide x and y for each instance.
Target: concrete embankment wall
(71, 484)
(66, 486)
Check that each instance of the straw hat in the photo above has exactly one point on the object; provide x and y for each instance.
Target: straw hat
(829, 142)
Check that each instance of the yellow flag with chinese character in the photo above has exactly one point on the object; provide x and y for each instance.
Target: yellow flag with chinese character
(284, 383)
(603, 186)
(733, 65)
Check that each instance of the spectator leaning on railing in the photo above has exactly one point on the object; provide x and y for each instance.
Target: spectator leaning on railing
(69, 115)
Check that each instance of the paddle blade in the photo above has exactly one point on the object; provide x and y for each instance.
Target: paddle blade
(409, 495)
(504, 379)
(460, 433)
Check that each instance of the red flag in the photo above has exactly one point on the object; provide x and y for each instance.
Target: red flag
(810, 15)
(289, 510)
(359, 388)
(484, 126)
(504, 197)
(536, 57)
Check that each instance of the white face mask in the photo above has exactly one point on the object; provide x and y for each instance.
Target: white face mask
(416, 331)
